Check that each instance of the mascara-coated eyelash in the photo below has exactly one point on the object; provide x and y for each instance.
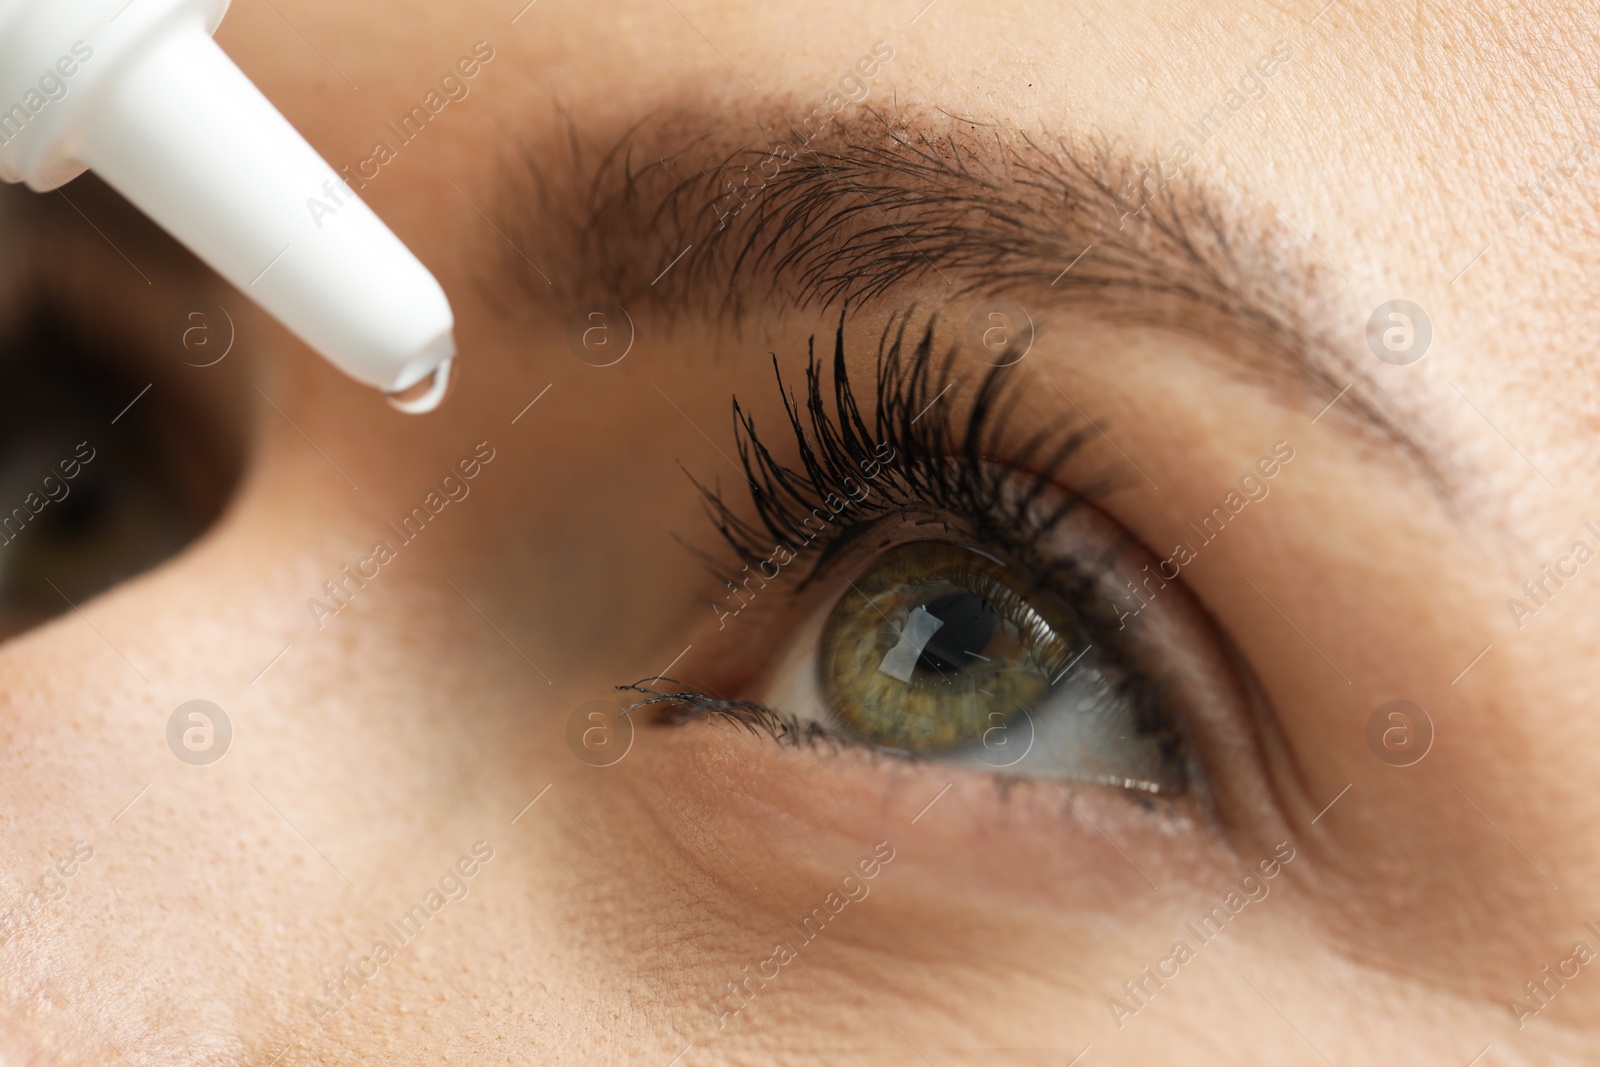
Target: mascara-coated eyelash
(919, 451)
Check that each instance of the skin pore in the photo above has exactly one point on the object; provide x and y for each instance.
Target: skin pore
(230, 912)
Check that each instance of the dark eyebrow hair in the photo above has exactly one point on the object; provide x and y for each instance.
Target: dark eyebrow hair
(880, 203)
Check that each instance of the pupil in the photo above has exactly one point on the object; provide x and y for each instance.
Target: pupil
(967, 623)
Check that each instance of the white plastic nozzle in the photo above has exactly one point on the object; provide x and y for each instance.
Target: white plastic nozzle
(137, 91)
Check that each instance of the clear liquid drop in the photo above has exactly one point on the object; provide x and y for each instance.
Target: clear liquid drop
(426, 394)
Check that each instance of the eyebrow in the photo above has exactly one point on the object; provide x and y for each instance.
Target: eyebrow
(684, 217)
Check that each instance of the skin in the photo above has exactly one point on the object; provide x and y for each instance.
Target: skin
(426, 715)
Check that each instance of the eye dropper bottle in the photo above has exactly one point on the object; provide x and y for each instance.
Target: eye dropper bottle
(138, 92)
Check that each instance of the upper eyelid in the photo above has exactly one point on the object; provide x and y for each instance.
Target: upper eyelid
(910, 450)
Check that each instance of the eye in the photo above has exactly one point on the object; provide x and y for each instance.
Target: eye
(1082, 665)
(940, 650)
(926, 583)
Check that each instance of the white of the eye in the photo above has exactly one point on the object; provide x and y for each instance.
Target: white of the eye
(901, 660)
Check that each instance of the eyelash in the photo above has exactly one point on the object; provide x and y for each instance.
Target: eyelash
(939, 460)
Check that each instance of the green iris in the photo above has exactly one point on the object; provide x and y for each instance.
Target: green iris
(935, 647)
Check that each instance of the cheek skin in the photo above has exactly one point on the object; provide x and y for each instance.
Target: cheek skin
(737, 838)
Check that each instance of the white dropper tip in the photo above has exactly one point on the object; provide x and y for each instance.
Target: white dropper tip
(426, 394)
(166, 119)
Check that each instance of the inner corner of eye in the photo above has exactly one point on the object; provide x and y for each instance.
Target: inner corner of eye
(941, 651)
